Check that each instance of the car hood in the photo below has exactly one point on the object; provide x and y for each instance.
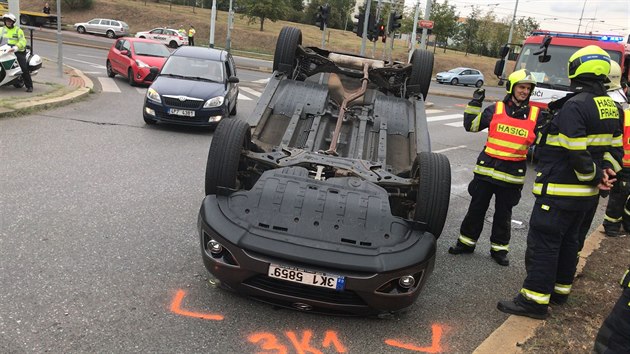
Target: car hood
(165, 85)
(152, 61)
(445, 73)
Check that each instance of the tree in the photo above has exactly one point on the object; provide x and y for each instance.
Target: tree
(487, 25)
(78, 4)
(468, 31)
(444, 22)
(523, 27)
(261, 10)
(340, 12)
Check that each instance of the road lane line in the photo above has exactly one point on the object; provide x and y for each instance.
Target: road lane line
(243, 97)
(250, 91)
(433, 111)
(450, 149)
(108, 84)
(445, 117)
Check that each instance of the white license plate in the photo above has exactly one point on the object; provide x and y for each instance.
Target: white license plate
(181, 112)
(307, 277)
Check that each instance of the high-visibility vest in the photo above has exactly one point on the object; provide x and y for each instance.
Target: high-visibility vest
(509, 138)
(191, 32)
(626, 138)
(14, 36)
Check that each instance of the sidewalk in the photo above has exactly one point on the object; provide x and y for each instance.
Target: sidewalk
(49, 90)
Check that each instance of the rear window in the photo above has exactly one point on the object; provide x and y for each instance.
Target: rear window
(124, 24)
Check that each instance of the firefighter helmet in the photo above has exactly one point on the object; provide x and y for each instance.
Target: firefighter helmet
(614, 76)
(520, 77)
(591, 61)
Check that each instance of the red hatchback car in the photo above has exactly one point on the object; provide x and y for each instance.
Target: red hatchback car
(134, 57)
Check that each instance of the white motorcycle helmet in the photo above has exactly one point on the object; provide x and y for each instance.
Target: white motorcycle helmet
(9, 16)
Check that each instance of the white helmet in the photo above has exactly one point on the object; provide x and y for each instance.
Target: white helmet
(10, 16)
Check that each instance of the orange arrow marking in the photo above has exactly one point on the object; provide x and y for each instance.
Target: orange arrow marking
(435, 347)
(176, 308)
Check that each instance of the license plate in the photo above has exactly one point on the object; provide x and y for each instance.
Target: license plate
(307, 277)
(181, 112)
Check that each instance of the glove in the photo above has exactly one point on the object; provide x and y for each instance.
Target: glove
(479, 95)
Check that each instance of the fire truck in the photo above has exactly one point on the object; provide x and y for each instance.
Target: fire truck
(546, 54)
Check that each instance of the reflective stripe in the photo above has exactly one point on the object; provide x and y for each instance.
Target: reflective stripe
(585, 177)
(498, 175)
(599, 140)
(624, 277)
(474, 125)
(608, 157)
(499, 108)
(562, 289)
(566, 190)
(467, 241)
(542, 299)
(617, 141)
(566, 142)
(508, 144)
(472, 109)
(614, 220)
(498, 247)
(626, 211)
(492, 151)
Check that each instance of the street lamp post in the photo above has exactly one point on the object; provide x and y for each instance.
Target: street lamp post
(509, 41)
(581, 16)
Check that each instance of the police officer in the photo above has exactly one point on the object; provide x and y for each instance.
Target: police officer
(575, 162)
(614, 334)
(15, 38)
(191, 36)
(501, 165)
(615, 214)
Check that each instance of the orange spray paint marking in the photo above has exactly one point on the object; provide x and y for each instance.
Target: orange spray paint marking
(176, 308)
(435, 347)
(269, 342)
(331, 338)
(302, 346)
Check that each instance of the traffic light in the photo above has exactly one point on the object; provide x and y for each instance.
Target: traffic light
(321, 19)
(394, 21)
(359, 29)
(381, 33)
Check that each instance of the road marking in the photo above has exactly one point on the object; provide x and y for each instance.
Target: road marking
(177, 309)
(141, 90)
(432, 111)
(445, 117)
(90, 56)
(92, 72)
(449, 149)
(251, 91)
(262, 81)
(455, 124)
(108, 84)
(243, 97)
(98, 66)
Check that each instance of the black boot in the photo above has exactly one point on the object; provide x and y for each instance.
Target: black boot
(460, 248)
(500, 257)
(515, 308)
(558, 299)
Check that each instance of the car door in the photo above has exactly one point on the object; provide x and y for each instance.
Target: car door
(116, 58)
(91, 26)
(103, 26)
(157, 34)
(465, 77)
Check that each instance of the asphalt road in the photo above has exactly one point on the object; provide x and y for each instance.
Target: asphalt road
(100, 251)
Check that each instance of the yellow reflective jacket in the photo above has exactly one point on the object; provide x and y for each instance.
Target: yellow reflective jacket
(14, 36)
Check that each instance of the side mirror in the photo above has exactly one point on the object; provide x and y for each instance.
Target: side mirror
(498, 67)
(124, 52)
(154, 70)
(233, 80)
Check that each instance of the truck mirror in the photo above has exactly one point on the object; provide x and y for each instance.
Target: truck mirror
(498, 67)
(504, 51)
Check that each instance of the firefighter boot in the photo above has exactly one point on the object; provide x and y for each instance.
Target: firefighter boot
(516, 307)
(558, 299)
(500, 257)
(460, 248)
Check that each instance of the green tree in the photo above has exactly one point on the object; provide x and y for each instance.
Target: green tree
(261, 10)
(340, 13)
(78, 4)
(523, 27)
(444, 22)
(487, 25)
(468, 31)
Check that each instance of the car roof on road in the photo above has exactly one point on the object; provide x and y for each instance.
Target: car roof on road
(201, 52)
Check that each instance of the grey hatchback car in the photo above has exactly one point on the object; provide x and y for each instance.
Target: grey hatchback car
(461, 76)
(107, 27)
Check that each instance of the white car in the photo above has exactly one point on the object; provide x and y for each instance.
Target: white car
(108, 27)
(168, 36)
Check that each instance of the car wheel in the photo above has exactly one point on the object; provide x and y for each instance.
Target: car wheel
(24, 20)
(130, 79)
(108, 67)
(421, 73)
(230, 138)
(110, 34)
(479, 83)
(284, 57)
(81, 29)
(454, 82)
(19, 82)
(433, 172)
(233, 111)
(173, 44)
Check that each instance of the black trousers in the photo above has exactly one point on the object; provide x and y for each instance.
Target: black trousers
(553, 242)
(617, 202)
(21, 58)
(481, 192)
(191, 41)
(614, 334)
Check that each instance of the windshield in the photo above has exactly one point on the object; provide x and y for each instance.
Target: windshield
(151, 49)
(552, 74)
(194, 68)
(455, 71)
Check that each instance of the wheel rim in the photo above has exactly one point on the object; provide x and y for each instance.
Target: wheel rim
(454, 82)
(110, 34)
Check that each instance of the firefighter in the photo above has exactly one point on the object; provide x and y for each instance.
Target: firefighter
(614, 334)
(615, 214)
(501, 165)
(575, 162)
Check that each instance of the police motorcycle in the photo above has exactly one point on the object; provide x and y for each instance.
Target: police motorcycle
(10, 72)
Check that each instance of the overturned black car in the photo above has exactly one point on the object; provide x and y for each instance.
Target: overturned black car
(333, 203)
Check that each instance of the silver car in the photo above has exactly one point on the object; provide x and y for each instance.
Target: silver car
(461, 76)
(107, 27)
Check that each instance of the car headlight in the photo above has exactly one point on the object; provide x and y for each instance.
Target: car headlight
(142, 64)
(214, 102)
(153, 95)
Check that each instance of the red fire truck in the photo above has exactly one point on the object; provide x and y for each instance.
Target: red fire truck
(546, 53)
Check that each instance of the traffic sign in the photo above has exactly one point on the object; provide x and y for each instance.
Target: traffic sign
(425, 24)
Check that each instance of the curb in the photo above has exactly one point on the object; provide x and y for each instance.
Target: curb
(508, 338)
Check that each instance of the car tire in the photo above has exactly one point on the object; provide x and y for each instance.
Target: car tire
(433, 172)
(81, 29)
(110, 34)
(421, 73)
(108, 68)
(284, 56)
(230, 137)
(25, 20)
(172, 44)
(233, 111)
(19, 82)
(130, 78)
(479, 83)
(454, 82)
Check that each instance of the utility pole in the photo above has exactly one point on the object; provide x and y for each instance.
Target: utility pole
(59, 42)
(427, 16)
(213, 19)
(509, 41)
(415, 26)
(581, 16)
(377, 17)
(365, 26)
(228, 36)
